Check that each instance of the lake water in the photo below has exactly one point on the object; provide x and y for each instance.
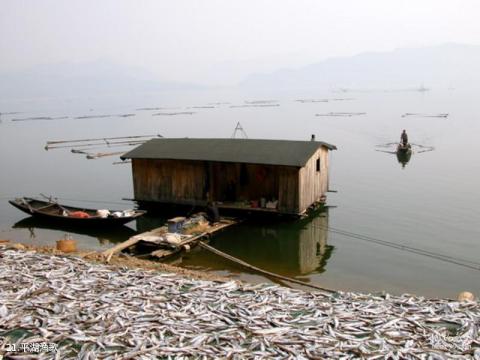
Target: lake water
(431, 204)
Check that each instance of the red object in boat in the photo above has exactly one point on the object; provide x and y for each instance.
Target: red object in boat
(79, 214)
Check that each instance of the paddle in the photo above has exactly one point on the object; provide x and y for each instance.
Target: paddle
(49, 198)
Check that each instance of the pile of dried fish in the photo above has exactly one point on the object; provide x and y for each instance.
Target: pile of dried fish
(94, 311)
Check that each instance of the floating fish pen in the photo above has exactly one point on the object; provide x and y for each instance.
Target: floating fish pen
(262, 176)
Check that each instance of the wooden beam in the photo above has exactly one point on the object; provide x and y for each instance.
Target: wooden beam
(132, 241)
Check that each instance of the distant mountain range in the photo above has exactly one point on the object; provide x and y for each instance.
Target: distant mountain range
(443, 66)
(446, 66)
(82, 79)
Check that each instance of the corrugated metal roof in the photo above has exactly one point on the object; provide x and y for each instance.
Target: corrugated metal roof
(250, 151)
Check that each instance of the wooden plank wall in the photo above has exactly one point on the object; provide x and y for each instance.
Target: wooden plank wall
(314, 184)
(187, 182)
(169, 180)
(288, 189)
(249, 181)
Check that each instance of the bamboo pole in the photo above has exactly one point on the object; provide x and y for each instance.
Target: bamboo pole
(264, 272)
(96, 147)
(99, 155)
(100, 139)
(107, 144)
(49, 198)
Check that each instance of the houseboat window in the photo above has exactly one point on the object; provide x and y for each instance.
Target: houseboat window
(318, 164)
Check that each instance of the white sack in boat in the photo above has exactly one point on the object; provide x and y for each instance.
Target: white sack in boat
(103, 213)
(153, 238)
(173, 238)
(124, 213)
(128, 213)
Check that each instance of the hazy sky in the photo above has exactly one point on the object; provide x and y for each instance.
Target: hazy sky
(221, 41)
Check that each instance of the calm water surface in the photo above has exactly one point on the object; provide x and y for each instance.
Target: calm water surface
(431, 204)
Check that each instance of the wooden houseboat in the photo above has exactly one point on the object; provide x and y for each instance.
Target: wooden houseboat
(276, 176)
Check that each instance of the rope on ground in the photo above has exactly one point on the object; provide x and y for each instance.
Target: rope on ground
(264, 272)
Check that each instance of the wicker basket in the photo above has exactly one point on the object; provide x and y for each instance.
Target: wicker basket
(67, 245)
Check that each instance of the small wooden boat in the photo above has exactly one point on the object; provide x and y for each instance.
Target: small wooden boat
(103, 234)
(404, 153)
(53, 211)
(404, 148)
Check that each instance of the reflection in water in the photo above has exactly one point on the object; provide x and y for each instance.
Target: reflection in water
(404, 157)
(287, 248)
(104, 235)
(151, 221)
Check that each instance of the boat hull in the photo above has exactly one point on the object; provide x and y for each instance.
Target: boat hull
(53, 212)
